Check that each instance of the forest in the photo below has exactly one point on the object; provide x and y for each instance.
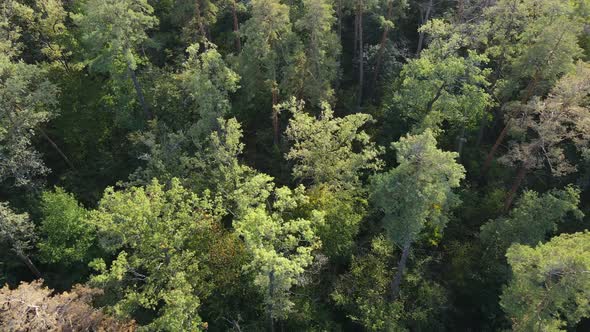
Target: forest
(295, 165)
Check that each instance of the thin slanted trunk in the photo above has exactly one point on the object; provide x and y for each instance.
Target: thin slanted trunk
(529, 93)
(361, 60)
(29, 263)
(269, 306)
(61, 153)
(522, 171)
(236, 27)
(425, 19)
(397, 281)
(11, 119)
(460, 142)
(275, 114)
(140, 97)
(490, 156)
(382, 45)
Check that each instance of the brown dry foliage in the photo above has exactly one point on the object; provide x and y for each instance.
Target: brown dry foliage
(33, 307)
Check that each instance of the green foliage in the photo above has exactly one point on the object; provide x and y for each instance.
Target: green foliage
(344, 211)
(532, 42)
(282, 244)
(161, 238)
(550, 287)
(28, 100)
(418, 192)
(113, 31)
(208, 83)
(324, 149)
(363, 290)
(16, 229)
(442, 86)
(66, 233)
(267, 33)
(532, 219)
(322, 51)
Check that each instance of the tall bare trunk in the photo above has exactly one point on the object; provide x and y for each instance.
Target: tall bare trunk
(396, 283)
(461, 142)
(275, 114)
(236, 27)
(269, 308)
(424, 20)
(138, 90)
(460, 10)
(361, 60)
(522, 171)
(199, 19)
(382, 45)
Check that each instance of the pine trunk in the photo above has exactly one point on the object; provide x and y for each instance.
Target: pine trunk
(59, 151)
(361, 60)
(490, 157)
(382, 46)
(522, 171)
(29, 264)
(421, 36)
(236, 27)
(269, 309)
(140, 98)
(275, 116)
(397, 281)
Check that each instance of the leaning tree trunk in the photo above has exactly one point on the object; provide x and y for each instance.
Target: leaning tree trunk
(382, 46)
(29, 263)
(146, 110)
(522, 171)
(59, 151)
(529, 93)
(43, 133)
(396, 283)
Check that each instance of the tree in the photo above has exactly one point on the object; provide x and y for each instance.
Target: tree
(387, 23)
(533, 44)
(329, 150)
(19, 232)
(322, 51)
(282, 243)
(66, 234)
(533, 218)
(442, 86)
(27, 101)
(417, 193)
(113, 31)
(363, 293)
(208, 82)
(161, 239)
(543, 129)
(550, 286)
(268, 34)
(32, 307)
